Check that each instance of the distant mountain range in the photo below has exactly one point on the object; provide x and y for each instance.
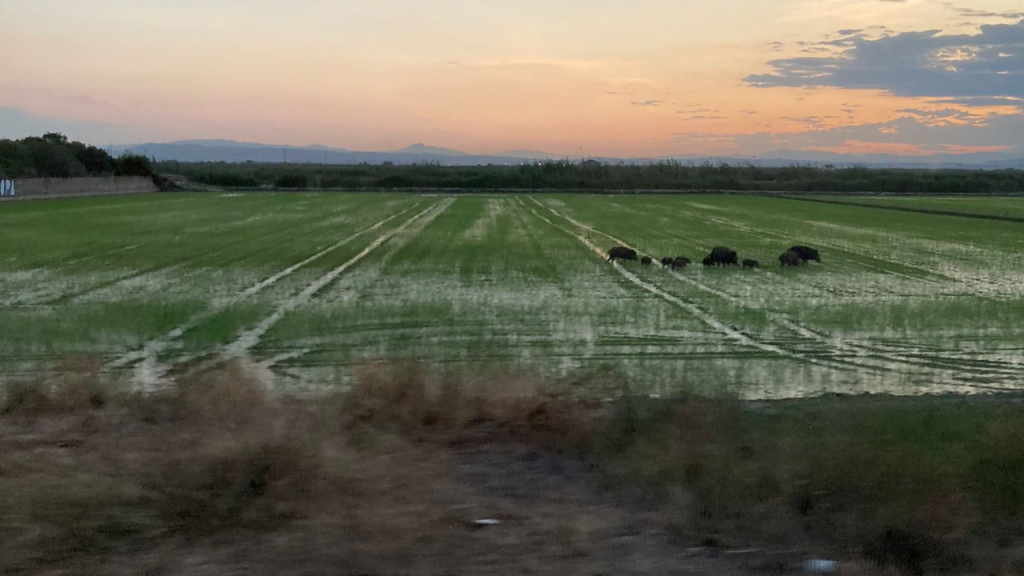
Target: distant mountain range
(231, 151)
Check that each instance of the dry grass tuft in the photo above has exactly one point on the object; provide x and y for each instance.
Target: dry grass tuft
(252, 484)
(251, 462)
(231, 394)
(210, 454)
(74, 384)
(408, 397)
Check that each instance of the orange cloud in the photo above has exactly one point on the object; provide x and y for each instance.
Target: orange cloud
(957, 149)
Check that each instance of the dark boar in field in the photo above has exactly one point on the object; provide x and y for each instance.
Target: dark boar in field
(667, 261)
(806, 253)
(790, 258)
(621, 253)
(646, 261)
(748, 263)
(722, 256)
(708, 261)
(680, 262)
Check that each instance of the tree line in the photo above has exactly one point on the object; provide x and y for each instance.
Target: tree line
(52, 155)
(564, 175)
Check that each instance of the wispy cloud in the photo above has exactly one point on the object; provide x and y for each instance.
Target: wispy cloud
(975, 13)
(813, 122)
(574, 64)
(650, 103)
(857, 10)
(909, 135)
(947, 116)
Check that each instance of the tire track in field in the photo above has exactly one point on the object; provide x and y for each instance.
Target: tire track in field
(95, 255)
(980, 286)
(86, 206)
(926, 274)
(1009, 370)
(867, 356)
(296, 351)
(944, 253)
(163, 266)
(865, 353)
(896, 208)
(701, 243)
(328, 220)
(248, 339)
(99, 255)
(149, 352)
(276, 277)
(690, 307)
(192, 230)
(28, 299)
(103, 254)
(223, 248)
(68, 296)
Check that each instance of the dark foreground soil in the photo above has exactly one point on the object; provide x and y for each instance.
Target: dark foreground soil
(390, 507)
(410, 474)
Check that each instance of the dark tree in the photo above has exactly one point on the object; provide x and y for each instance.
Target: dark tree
(96, 160)
(52, 156)
(134, 165)
(55, 138)
(51, 159)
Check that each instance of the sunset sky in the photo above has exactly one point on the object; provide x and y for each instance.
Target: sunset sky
(595, 77)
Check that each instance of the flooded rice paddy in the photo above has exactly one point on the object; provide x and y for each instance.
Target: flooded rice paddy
(312, 285)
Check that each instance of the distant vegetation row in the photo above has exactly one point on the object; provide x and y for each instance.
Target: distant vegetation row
(52, 155)
(563, 175)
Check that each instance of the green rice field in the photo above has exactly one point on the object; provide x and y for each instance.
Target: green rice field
(311, 285)
(1006, 207)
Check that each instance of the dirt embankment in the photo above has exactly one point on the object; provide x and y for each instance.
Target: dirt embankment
(417, 472)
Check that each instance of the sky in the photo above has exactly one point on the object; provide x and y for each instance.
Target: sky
(575, 77)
